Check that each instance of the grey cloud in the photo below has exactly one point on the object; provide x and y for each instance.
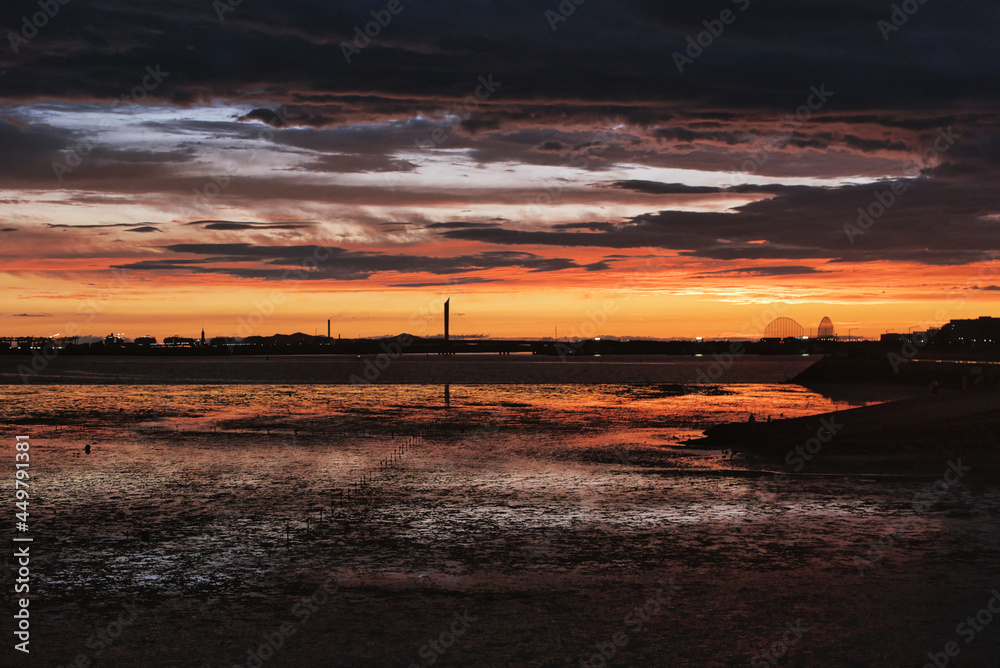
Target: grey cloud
(342, 264)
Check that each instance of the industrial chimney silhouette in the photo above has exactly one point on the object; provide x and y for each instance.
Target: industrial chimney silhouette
(446, 307)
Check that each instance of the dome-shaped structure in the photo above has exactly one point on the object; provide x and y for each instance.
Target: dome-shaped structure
(825, 330)
(782, 328)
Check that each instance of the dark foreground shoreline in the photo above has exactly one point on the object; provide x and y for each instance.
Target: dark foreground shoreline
(506, 539)
(951, 423)
(180, 550)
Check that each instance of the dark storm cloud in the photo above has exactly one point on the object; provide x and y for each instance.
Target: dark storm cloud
(474, 125)
(85, 227)
(458, 225)
(770, 55)
(229, 225)
(931, 222)
(372, 148)
(777, 270)
(870, 145)
(610, 65)
(686, 135)
(269, 116)
(340, 263)
(29, 152)
(355, 162)
(600, 227)
(18, 141)
(471, 280)
(597, 266)
(144, 228)
(656, 188)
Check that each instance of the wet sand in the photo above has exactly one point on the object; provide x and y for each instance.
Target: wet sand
(540, 534)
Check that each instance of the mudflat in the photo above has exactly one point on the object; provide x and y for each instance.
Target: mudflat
(296, 526)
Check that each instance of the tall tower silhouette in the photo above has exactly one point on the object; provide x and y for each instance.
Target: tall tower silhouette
(446, 307)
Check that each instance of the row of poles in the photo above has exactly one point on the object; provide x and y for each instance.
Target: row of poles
(365, 481)
(341, 497)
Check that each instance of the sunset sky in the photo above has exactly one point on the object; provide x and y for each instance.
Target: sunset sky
(176, 164)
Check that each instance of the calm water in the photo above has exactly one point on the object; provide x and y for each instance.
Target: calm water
(467, 369)
(95, 411)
